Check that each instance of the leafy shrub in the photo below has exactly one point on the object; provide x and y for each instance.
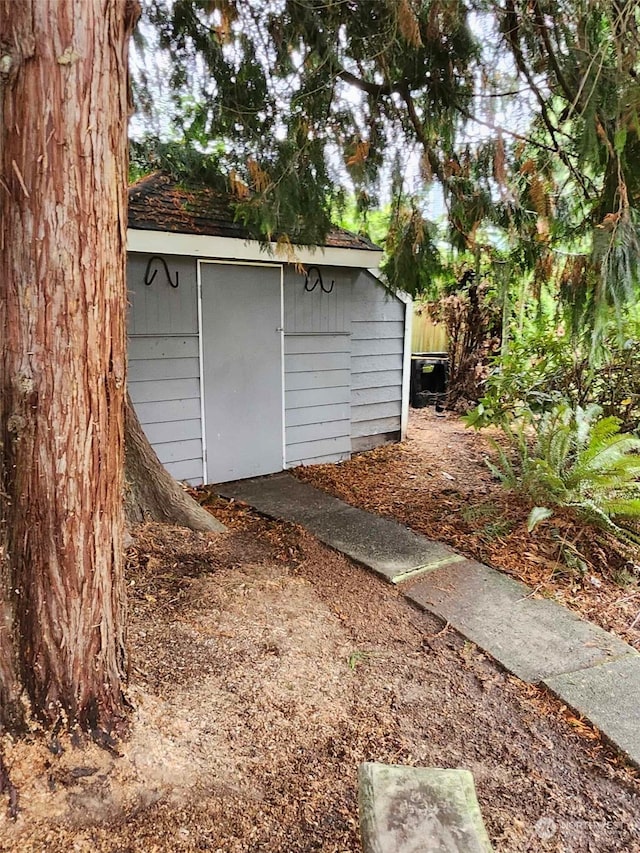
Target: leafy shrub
(540, 371)
(578, 459)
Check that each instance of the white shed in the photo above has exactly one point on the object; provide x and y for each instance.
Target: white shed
(240, 362)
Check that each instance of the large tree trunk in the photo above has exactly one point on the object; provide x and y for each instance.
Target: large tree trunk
(151, 493)
(64, 110)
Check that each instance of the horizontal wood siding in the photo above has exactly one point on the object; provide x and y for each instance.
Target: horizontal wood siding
(317, 408)
(164, 432)
(376, 411)
(379, 427)
(316, 397)
(325, 450)
(343, 365)
(309, 379)
(145, 347)
(164, 364)
(166, 368)
(378, 394)
(179, 451)
(377, 340)
(159, 391)
(373, 346)
(314, 362)
(331, 412)
(167, 412)
(316, 431)
(316, 344)
(377, 330)
(376, 378)
(361, 364)
(317, 366)
(189, 471)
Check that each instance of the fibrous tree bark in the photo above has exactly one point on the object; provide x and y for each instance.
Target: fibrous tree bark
(63, 175)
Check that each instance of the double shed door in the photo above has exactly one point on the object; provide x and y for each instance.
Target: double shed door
(242, 369)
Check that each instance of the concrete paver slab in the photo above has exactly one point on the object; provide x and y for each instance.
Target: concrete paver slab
(382, 544)
(409, 809)
(532, 638)
(609, 696)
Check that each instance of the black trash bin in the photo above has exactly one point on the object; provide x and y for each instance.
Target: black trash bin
(429, 377)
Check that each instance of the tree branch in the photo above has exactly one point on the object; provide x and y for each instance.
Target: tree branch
(512, 35)
(376, 90)
(414, 118)
(544, 33)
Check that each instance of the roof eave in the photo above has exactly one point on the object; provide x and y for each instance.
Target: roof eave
(237, 249)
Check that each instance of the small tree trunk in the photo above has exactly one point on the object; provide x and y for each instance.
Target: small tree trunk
(63, 156)
(151, 493)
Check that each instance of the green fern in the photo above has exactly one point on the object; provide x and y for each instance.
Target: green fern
(578, 460)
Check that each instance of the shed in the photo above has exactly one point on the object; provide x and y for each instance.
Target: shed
(241, 362)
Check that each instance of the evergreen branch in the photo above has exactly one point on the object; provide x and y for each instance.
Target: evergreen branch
(414, 118)
(505, 131)
(375, 90)
(512, 37)
(544, 33)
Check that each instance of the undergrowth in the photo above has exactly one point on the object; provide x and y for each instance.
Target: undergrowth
(573, 457)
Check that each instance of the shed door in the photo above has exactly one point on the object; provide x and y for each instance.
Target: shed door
(242, 370)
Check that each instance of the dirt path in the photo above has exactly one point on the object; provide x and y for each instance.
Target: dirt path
(265, 667)
(438, 483)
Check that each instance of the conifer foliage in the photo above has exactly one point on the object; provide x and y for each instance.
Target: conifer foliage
(298, 99)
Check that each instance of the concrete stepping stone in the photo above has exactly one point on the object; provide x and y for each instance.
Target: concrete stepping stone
(609, 696)
(381, 544)
(532, 638)
(419, 810)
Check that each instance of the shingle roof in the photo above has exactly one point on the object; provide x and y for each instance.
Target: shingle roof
(157, 203)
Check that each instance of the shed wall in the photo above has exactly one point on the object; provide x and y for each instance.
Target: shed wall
(317, 356)
(343, 357)
(377, 335)
(164, 364)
